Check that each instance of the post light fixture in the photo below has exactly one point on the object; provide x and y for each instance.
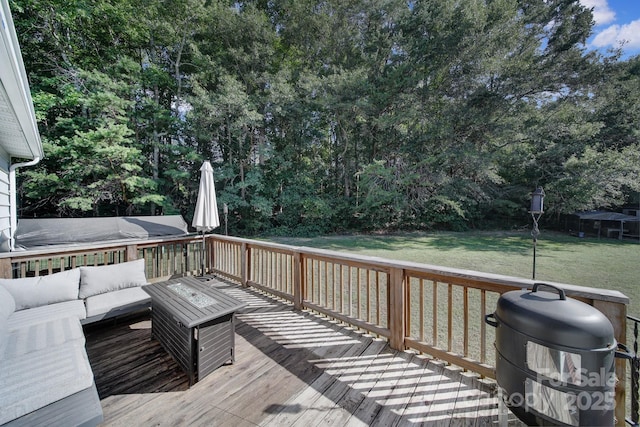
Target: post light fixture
(225, 210)
(536, 211)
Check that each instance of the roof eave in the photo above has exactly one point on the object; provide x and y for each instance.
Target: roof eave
(15, 96)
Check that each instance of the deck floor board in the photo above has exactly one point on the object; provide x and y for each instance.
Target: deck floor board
(291, 369)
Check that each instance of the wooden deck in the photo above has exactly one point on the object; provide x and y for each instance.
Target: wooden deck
(292, 369)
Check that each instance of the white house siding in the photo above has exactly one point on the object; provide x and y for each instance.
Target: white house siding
(5, 203)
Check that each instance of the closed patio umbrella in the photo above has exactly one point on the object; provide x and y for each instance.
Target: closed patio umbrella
(205, 217)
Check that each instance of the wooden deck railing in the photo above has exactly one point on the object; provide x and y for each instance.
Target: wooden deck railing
(435, 310)
(164, 257)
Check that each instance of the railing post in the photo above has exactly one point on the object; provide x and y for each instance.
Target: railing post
(214, 245)
(209, 255)
(397, 308)
(6, 272)
(298, 280)
(132, 252)
(185, 258)
(617, 314)
(245, 260)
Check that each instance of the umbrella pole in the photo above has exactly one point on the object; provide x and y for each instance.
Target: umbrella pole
(204, 246)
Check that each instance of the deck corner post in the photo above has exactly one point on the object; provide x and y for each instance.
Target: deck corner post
(298, 285)
(617, 313)
(397, 307)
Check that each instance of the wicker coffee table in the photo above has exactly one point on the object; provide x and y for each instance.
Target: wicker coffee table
(195, 323)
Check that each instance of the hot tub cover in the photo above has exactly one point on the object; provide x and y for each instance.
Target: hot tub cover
(37, 232)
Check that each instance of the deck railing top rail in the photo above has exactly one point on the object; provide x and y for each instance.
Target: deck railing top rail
(448, 274)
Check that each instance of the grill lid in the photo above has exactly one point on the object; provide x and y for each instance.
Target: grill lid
(553, 318)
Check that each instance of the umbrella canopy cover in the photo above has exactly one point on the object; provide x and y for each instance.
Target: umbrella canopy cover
(205, 217)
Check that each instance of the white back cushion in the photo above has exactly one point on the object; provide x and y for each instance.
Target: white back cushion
(32, 292)
(107, 278)
(7, 304)
(7, 307)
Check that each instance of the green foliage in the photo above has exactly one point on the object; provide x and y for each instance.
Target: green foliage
(91, 151)
(326, 116)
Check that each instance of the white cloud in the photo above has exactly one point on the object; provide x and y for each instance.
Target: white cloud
(631, 33)
(615, 35)
(602, 14)
(606, 37)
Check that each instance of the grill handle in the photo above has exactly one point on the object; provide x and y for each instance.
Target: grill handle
(623, 352)
(560, 291)
(490, 319)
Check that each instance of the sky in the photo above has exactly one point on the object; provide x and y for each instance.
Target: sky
(616, 21)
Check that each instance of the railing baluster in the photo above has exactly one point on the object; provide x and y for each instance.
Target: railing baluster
(359, 296)
(315, 265)
(465, 309)
(408, 311)
(434, 337)
(377, 297)
(334, 287)
(450, 317)
(350, 290)
(388, 297)
(316, 273)
(483, 327)
(341, 289)
(421, 312)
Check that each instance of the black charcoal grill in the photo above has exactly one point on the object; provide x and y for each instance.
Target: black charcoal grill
(554, 358)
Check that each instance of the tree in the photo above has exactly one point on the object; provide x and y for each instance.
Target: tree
(92, 164)
(326, 115)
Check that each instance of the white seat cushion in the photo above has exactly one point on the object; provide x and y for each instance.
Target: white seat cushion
(34, 380)
(103, 303)
(42, 336)
(32, 316)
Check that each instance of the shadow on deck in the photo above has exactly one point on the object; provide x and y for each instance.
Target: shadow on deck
(292, 369)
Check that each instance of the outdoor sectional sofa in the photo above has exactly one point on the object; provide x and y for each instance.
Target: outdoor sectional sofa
(45, 375)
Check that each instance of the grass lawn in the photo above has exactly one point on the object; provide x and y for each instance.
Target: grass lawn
(599, 263)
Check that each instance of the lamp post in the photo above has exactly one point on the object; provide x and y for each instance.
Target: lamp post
(536, 211)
